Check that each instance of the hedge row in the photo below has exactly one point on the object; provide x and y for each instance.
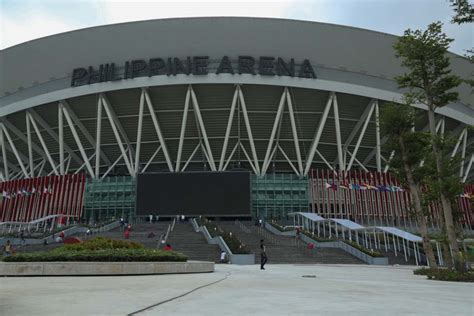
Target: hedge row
(99, 243)
(369, 252)
(105, 255)
(446, 275)
(281, 228)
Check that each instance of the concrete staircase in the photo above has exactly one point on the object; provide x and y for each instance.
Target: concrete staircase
(184, 239)
(282, 249)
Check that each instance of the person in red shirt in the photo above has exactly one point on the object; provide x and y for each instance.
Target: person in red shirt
(168, 247)
(126, 234)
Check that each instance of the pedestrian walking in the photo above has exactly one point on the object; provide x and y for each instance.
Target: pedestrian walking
(263, 255)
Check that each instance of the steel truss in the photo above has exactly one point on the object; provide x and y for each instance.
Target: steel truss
(88, 152)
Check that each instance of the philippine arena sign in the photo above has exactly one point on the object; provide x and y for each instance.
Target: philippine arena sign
(195, 65)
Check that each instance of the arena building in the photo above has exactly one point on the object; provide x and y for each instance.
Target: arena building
(83, 114)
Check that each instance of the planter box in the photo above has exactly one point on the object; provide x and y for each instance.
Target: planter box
(275, 231)
(102, 268)
(349, 249)
(246, 259)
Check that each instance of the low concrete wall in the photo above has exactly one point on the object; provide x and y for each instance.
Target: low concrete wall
(247, 259)
(102, 268)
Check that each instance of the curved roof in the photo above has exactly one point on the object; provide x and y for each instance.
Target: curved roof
(344, 55)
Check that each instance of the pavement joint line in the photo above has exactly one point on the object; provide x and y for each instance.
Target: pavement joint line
(179, 296)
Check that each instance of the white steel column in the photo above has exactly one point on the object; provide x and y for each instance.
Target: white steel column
(388, 162)
(202, 128)
(248, 158)
(468, 169)
(463, 153)
(22, 137)
(191, 157)
(98, 136)
(249, 132)
(229, 128)
(318, 133)
(30, 146)
(355, 130)
(139, 132)
(289, 161)
(84, 130)
(4, 154)
(230, 156)
(78, 140)
(361, 136)
(378, 154)
(324, 159)
(36, 118)
(183, 129)
(151, 158)
(45, 148)
(117, 135)
(267, 158)
(158, 130)
(460, 139)
(61, 139)
(342, 165)
(295, 133)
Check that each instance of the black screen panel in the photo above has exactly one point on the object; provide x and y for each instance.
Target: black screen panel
(194, 193)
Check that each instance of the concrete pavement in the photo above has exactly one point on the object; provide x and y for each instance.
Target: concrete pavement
(243, 290)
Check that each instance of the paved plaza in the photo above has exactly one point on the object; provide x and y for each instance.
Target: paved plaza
(242, 290)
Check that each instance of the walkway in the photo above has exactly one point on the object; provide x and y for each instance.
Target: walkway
(279, 290)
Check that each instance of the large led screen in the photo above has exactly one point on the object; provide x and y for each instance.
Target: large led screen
(194, 193)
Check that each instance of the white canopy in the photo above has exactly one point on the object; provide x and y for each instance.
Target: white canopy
(347, 223)
(311, 216)
(400, 233)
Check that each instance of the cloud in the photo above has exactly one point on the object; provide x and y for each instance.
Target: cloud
(121, 11)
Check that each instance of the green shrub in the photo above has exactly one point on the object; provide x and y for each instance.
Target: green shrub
(316, 237)
(104, 255)
(99, 249)
(281, 228)
(446, 275)
(99, 243)
(369, 252)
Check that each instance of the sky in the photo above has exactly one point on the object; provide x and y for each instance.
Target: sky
(24, 20)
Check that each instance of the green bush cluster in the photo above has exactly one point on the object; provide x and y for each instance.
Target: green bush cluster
(363, 249)
(316, 237)
(99, 243)
(281, 228)
(103, 255)
(99, 249)
(446, 274)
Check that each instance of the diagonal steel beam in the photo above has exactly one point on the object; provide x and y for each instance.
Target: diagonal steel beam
(77, 139)
(229, 128)
(249, 131)
(361, 136)
(197, 112)
(116, 132)
(158, 130)
(84, 130)
(53, 135)
(45, 148)
(119, 125)
(318, 133)
(183, 129)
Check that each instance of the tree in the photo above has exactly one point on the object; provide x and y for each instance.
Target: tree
(430, 82)
(397, 123)
(464, 12)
